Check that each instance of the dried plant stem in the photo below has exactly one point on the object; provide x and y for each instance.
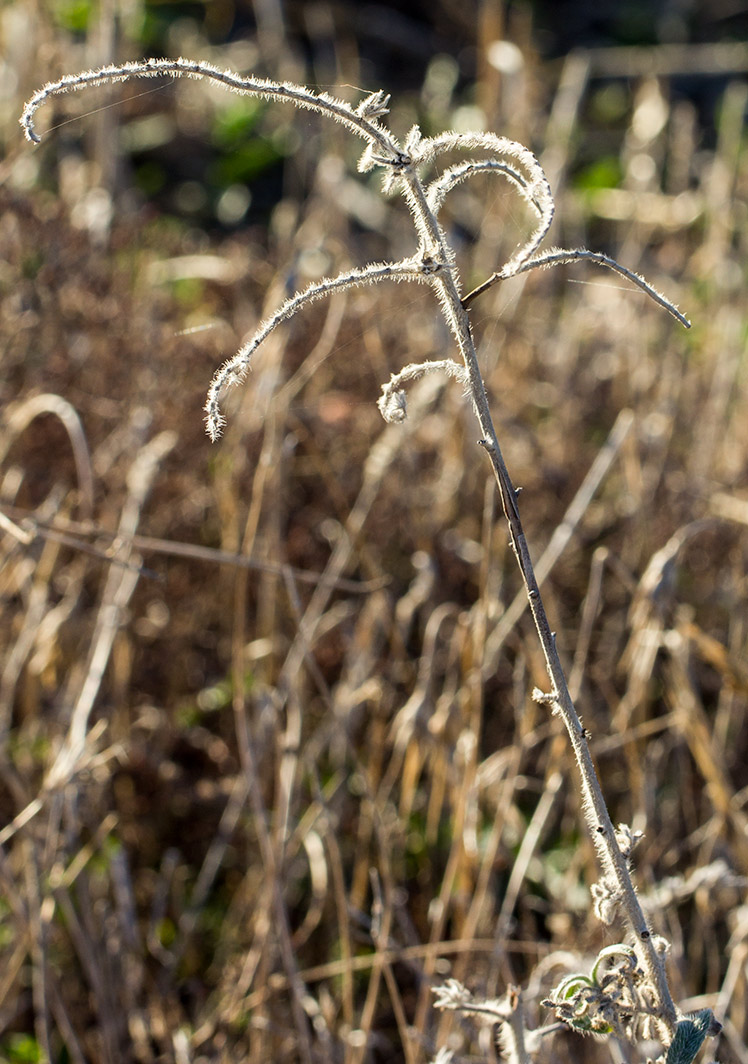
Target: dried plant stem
(562, 534)
(562, 256)
(361, 121)
(120, 586)
(595, 809)
(614, 864)
(596, 812)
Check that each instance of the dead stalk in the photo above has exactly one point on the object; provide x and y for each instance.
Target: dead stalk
(433, 263)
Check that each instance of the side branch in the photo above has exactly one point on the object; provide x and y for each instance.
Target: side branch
(361, 120)
(235, 369)
(561, 256)
(516, 162)
(532, 192)
(393, 403)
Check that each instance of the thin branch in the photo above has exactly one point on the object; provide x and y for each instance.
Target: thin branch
(235, 369)
(534, 187)
(561, 256)
(393, 405)
(71, 533)
(452, 177)
(361, 121)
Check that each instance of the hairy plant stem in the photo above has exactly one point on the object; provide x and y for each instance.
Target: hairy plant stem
(595, 809)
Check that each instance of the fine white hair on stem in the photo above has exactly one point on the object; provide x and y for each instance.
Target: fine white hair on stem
(563, 256)
(361, 121)
(428, 148)
(393, 404)
(514, 161)
(440, 186)
(235, 369)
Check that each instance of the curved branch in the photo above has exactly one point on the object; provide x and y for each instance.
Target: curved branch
(527, 175)
(392, 403)
(561, 256)
(424, 150)
(235, 369)
(437, 190)
(21, 417)
(544, 208)
(361, 121)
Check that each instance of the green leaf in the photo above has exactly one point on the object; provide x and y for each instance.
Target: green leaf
(620, 949)
(689, 1037)
(569, 986)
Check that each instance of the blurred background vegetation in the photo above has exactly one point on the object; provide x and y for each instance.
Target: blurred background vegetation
(249, 813)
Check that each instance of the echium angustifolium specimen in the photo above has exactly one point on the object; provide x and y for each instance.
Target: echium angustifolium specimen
(631, 998)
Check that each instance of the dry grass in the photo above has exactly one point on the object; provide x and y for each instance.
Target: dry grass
(313, 783)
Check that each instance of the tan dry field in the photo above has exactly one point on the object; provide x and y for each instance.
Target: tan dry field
(270, 768)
